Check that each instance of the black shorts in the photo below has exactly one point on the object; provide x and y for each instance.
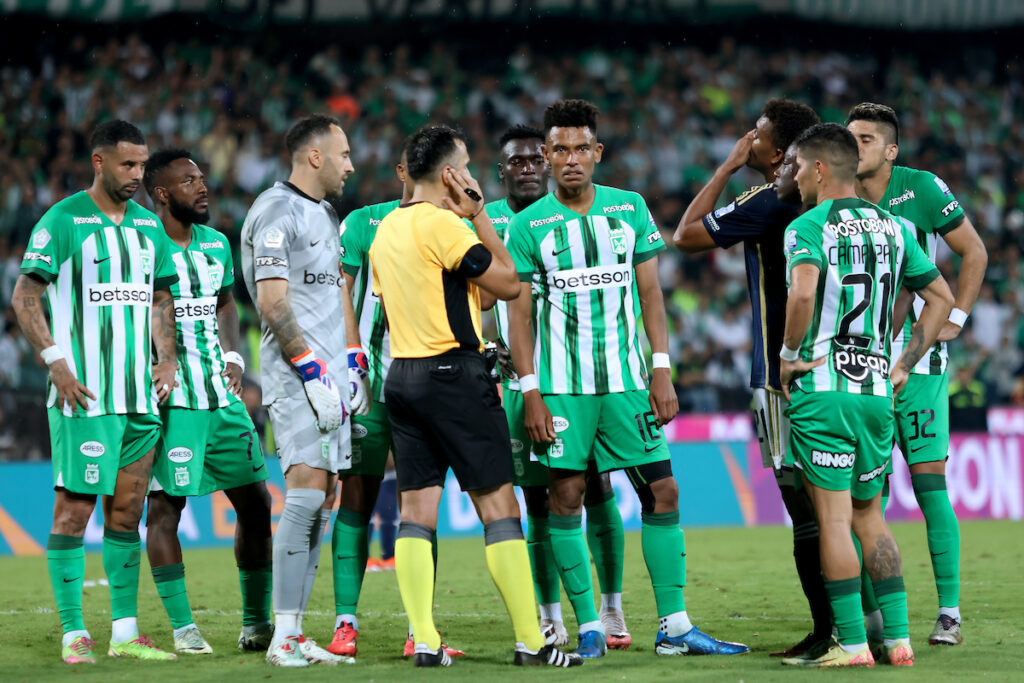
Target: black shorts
(445, 412)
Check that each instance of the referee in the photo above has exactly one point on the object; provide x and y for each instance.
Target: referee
(432, 272)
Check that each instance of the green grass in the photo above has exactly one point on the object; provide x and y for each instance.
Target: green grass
(742, 586)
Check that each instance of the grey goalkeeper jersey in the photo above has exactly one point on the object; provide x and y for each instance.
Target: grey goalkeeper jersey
(289, 235)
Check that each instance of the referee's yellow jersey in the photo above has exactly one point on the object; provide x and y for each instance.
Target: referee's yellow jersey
(416, 258)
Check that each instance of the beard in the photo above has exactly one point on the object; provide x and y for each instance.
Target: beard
(185, 213)
(118, 192)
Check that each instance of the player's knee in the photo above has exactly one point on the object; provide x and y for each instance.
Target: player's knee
(655, 486)
(599, 488)
(164, 511)
(536, 500)
(125, 512)
(71, 514)
(566, 489)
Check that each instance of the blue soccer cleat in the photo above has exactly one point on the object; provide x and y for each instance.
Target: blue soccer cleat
(591, 644)
(696, 642)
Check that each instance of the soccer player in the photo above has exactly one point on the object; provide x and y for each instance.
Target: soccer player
(208, 442)
(758, 218)
(433, 273)
(104, 264)
(524, 175)
(922, 410)
(371, 434)
(290, 265)
(585, 390)
(847, 259)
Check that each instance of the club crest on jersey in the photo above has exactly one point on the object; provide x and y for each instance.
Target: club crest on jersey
(556, 449)
(40, 239)
(216, 275)
(617, 236)
(856, 366)
(181, 477)
(92, 474)
(146, 256)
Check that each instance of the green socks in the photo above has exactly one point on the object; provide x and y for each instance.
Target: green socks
(121, 552)
(170, 586)
(350, 546)
(846, 610)
(892, 600)
(65, 558)
(943, 535)
(542, 560)
(569, 548)
(256, 579)
(664, 550)
(607, 543)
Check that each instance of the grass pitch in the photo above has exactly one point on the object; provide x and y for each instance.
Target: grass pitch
(742, 586)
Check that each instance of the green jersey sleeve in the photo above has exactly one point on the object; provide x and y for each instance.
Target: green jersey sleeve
(649, 242)
(353, 247)
(918, 269)
(803, 243)
(520, 247)
(45, 250)
(164, 272)
(942, 209)
(229, 269)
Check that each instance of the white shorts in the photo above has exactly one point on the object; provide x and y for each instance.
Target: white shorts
(772, 426)
(300, 442)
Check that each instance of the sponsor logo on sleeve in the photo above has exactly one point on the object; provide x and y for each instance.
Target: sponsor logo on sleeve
(942, 185)
(835, 460)
(560, 423)
(725, 210)
(195, 309)
(950, 208)
(87, 220)
(856, 366)
(557, 218)
(798, 252)
(36, 256)
(273, 238)
(271, 262)
(40, 239)
(586, 279)
(180, 455)
(868, 476)
(712, 223)
(118, 294)
(92, 449)
(653, 237)
(92, 473)
(147, 222)
(216, 244)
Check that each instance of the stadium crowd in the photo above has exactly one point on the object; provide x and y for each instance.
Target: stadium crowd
(670, 115)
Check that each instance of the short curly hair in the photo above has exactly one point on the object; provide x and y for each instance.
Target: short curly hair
(789, 118)
(571, 114)
(878, 113)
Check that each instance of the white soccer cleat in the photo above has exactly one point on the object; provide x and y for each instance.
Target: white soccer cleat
(315, 654)
(617, 635)
(286, 653)
(558, 627)
(191, 642)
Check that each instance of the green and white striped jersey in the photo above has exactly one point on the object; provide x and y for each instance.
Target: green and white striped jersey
(864, 255)
(586, 299)
(927, 202)
(357, 233)
(501, 215)
(101, 281)
(204, 271)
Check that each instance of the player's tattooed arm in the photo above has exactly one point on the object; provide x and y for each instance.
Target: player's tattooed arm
(662, 395)
(165, 341)
(227, 329)
(27, 303)
(938, 301)
(883, 561)
(272, 302)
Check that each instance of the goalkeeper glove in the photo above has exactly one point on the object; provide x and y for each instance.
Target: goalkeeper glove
(358, 379)
(320, 392)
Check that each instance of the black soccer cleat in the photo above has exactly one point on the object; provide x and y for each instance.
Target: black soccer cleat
(424, 656)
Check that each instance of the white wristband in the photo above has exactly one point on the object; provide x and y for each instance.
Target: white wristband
(789, 354)
(236, 358)
(958, 317)
(660, 360)
(51, 355)
(528, 383)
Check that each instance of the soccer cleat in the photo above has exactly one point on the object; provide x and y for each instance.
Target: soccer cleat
(344, 642)
(315, 654)
(829, 653)
(387, 565)
(286, 653)
(695, 642)
(192, 642)
(900, 654)
(801, 648)
(561, 635)
(617, 635)
(140, 647)
(424, 656)
(946, 632)
(548, 655)
(372, 564)
(590, 645)
(410, 649)
(79, 651)
(256, 638)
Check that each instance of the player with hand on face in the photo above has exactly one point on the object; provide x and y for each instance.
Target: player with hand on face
(922, 410)
(290, 264)
(586, 392)
(104, 264)
(208, 442)
(847, 260)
